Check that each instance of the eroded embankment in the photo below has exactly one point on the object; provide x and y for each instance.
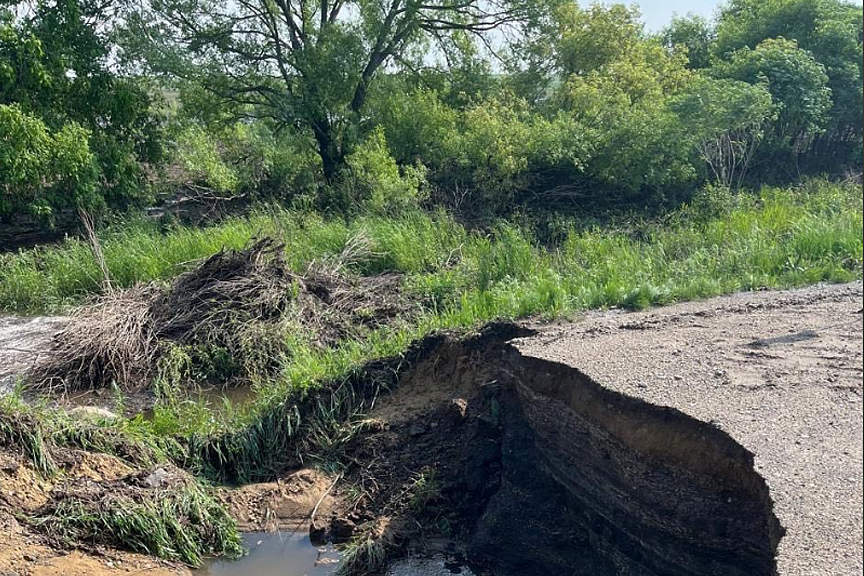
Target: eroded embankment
(525, 466)
(544, 472)
(648, 489)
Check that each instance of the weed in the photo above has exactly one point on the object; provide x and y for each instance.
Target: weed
(367, 552)
(424, 490)
(179, 522)
(21, 430)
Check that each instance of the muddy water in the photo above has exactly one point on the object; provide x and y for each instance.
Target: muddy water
(279, 554)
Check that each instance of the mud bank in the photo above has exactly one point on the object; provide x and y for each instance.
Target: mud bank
(542, 471)
(639, 489)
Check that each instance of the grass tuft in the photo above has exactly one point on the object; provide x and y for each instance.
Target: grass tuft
(180, 523)
(23, 432)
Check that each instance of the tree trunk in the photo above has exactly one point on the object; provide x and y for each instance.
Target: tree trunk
(332, 158)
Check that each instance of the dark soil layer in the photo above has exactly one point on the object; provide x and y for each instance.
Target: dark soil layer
(537, 470)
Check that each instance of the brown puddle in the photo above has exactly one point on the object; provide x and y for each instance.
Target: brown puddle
(276, 554)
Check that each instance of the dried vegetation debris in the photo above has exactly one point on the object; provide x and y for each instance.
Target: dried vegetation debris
(236, 310)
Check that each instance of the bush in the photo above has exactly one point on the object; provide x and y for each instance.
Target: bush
(374, 183)
(43, 172)
(244, 160)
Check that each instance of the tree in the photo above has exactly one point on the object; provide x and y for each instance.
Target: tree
(306, 64)
(43, 171)
(726, 119)
(797, 83)
(831, 31)
(591, 38)
(617, 86)
(54, 68)
(692, 33)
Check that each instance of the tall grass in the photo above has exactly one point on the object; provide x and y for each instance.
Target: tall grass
(774, 238)
(720, 244)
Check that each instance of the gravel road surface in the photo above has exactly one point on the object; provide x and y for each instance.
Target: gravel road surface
(780, 371)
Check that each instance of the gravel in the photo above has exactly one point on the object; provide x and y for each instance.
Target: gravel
(426, 567)
(780, 371)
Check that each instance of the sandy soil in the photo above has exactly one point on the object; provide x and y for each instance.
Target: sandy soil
(23, 553)
(286, 505)
(781, 372)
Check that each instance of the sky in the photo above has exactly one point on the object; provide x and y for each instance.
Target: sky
(657, 13)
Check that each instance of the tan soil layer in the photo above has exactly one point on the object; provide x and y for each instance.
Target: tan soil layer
(23, 553)
(779, 371)
(285, 505)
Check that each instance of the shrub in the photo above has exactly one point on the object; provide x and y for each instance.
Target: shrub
(374, 183)
(42, 172)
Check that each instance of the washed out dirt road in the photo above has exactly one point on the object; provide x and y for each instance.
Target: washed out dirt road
(780, 372)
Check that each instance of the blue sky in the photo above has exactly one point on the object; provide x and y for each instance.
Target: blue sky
(658, 13)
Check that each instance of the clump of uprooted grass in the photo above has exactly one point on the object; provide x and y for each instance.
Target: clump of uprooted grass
(39, 436)
(23, 433)
(367, 553)
(229, 316)
(163, 512)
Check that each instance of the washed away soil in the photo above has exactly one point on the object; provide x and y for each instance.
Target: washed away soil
(25, 551)
(707, 439)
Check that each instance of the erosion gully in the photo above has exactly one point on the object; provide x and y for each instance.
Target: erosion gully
(544, 472)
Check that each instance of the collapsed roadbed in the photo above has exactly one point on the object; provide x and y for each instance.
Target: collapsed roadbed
(540, 470)
(715, 438)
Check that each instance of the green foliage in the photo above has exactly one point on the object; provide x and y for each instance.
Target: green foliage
(182, 523)
(239, 159)
(42, 172)
(96, 127)
(416, 122)
(692, 34)
(726, 120)
(198, 154)
(796, 81)
(594, 37)
(638, 144)
(830, 31)
(309, 68)
(374, 183)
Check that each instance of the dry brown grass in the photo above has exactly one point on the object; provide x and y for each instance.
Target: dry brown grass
(240, 303)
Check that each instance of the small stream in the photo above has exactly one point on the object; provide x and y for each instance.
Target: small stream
(279, 554)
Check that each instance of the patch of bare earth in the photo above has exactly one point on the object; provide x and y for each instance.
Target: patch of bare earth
(24, 552)
(779, 372)
(285, 505)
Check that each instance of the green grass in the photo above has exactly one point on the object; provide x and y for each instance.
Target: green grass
(776, 238)
(723, 243)
(183, 523)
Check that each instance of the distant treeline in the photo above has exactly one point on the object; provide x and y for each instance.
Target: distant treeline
(358, 106)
